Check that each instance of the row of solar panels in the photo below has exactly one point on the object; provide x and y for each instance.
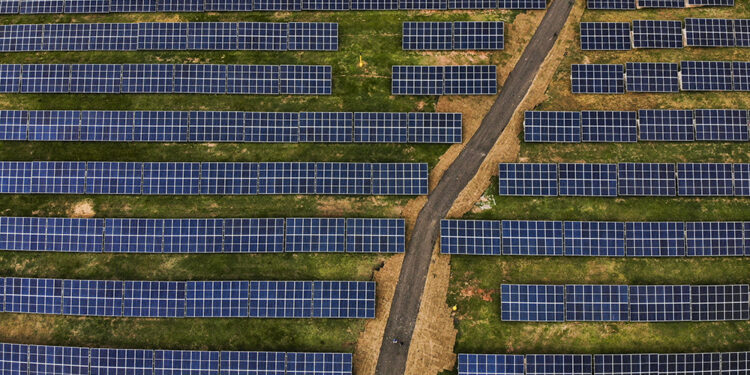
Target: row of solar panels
(633, 4)
(660, 77)
(698, 32)
(625, 179)
(444, 80)
(193, 299)
(230, 36)
(132, 6)
(165, 78)
(635, 303)
(459, 35)
(631, 126)
(261, 235)
(594, 238)
(202, 126)
(731, 363)
(22, 359)
(210, 178)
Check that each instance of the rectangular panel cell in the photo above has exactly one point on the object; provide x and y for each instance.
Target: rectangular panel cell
(597, 79)
(478, 36)
(252, 363)
(318, 363)
(73, 234)
(429, 127)
(690, 363)
(399, 179)
(704, 179)
(417, 80)
(147, 78)
(114, 37)
(114, 178)
(626, 364)
(343, 178)
(423, 36)
(596, 303)
(741, 76)
(108, 126)
(313, 36)
(161, 126)
(253, 79)
(54, 125)
(315, 235)
(742, 182)
(325, 127)
(10, 78)
(375, 235)
(587, 180)
(594, 238)
(490, 364)
(92, 298)
(45, 78)
(186, 362)
(200, 79)
(528, 179)
(660, 303)
(657, 34)
(721, 125)
(212, 36)
(532, 237)
(655, 239)
(605, 36)
(121, 362)
(706, 75)
(133, 235)
(57, 360)
(610, 4)
(153, 299)
(171, 178)
(652, 77)
(380, 127)
(715, 238)
(193, 235)
(229, 178)
(216, 299)
(254, 235)
(217, 126)
(262, 36)
(305, 80)
(646, 179)
(161, 36)
(470, 80)
(550, 126)
(33, 296)
(286, 178)
(95, 78)
(272, 127)
(719, 302)
(533, 303)
(470, 237)
(709, 32)
(58, 177)
(343, 299)
(609, 126)
(280, 299)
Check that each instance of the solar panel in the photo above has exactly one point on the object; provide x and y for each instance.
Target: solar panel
(45, 78)
(217, 126)
(709, 32)
(741, 76)
(215, 299)
(315, 36)
(549, 126)
(110, 126)
(58, 177)
(42, 6)
(200, 79)
(161, 126)
(163, 35)
(704, 179)
(147, 78)
(21, 38)
(646, 179)
(605, 36)
(422, 4)
(305, 79)
(532, 237)
(9, 6)
(666, 125)
(276, 5)
(528, 179)
(186, 362)
(95, 78)
(122, 362)
(15, 177)
(657, 34)
(286, 178)
(132, 6)
(735, 363)
(33, 296)
(610, 4)
(591, 180)
(73, 234)
(280, 299)
(728, 3)
(262, 36)
(533, 303)
(594, 238)
(86, 6)
(14, 359)
(315, 235)
(212, 36)
(272, 127)
(93, 298)
(596, 303)
(10, 78)
(318, 363)
(399, 179)
(706, 75)
(193, 235)
(429, 127)
(472, 4)
(253, 235)
(522, 4)
(252, 363)
(719, 302)
(626, 364)
(655, 239)
(329, 127)
(470, 80)
(659, 303)
(180, 6)
(171, 178)
(652, 77)
(608, 126)
(558, 364)
(229, 178)
(343, 299)
(57, 360)
(374, 4)
(490, 364)
(661, 3)
(375, 235)
(714, 239)
(427, 36)
(691, 363)
(165, 299)
(379, 127)
(721, 125)
(54, 125)
(417, 80)
(597, 79)
(741, 31)
(252, 79)
(470, 237)
(343, 178)
(487, 35)
(742, 182)
(228, 5)
(66, 37)
(133, 235)
(23, 234)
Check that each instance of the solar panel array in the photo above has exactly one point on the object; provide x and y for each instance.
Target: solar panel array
(598, 79)
(166, 78)
(149, 36)
(41, 177)
(605, 36)
(267, 235)
(543, 126)
(611, 4)
(633, 179)
(635, 303)
(460, 35)
(444, 80)
(657, 34)
(177, 299)
(594, 238)
(652, 77)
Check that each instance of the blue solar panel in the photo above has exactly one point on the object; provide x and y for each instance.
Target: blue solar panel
(655, 239)
(742, 32)
(54, 125)
(706, 75)
(721, 125)
(86, 6)
(727, 3)
(315, 235)
(161, 126)
(252, 363)
(73, 234)
(742, 183)
(417, 80)
(374, 4)
(325, 127)
(185, 362)
(45, 78)
(305, 79)
(171, 178)
(217, 126)
(66, 37)
(252, 79)
(422, 4)
(229, 178)
(200, 79)
(487, 35)
(42, 6)
(380, 127)
(610, 4)
(313, 36)
(646, 179)
(588, 180)
(719, 302)
(114, 37)
(228, 5)
(58, 177)
(605, 36)
(608, 126)
(57, 360)
(122, 362)
(262, 36)
(375, 235)
(132, 6)
(429, 127)
(23, 234)
(522, 4)
(216, 299)
(558, 364)
(92, 297)
(657, 34)
(704, 179)
(95, 78)
(543, 126)
(596, 303)
(427, 36)
(272, 127)
(325, 5)
(276, 5)
(528, 179)
(180, 6)
(693, 363)
(661, 3)
(15, 177)
(399, 179)
(14, 359)
(652, 77)
(212, 36)
(594, 238)
(9, 6)
(110, 126)
(490, 364)
(709, 32)
(133, 235)
(33, 296)
(533, 303)
(10, 78)
(20, 38)
(163, 36)
(343, 299)
(470, 80)
(741, 76)
(193, 235)
(280, 299)
(735, 363)
(286, 178)
(532, 237)
(153, 299)
(113, 178)
(318, 363)
(471, 237)
(597, 79)
(715, 239)
(147, 78)
(343, 178)
(253, 235)
(626, 364)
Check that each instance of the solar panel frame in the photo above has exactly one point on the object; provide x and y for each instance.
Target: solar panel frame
(671, 125)
(272, 127)
(532, 303)
(427, 36)
(343, 178)
(657, 34)
(605, 36)
(109, 126)
(371, 235)
(216, 299)
(310, 235)
(200, 79)
(10, 78)
(597, 79)
(417, 80)
(171, 178)
(253, 79)
(660, 303)
(212, 36)
(721, 125)
(552, 126)
(741, 76)
(343, 299)
(186, 362)
(193, 236)
(161, 36)
(596, 303)
(380, 127)
(54, 125)
(92, 298)
(655, 239)
(594, 238)
(161, 126)
(305, 79)
(528, 179)
(706, 75)
(110, 361)
(228, 178)
(719, 302)
(33, 296)
(435, 127)
(318, 363)
(399, 179)
(325, 127)
(704, 179)
(133, 235)
(147, 78)
(479, 35)
(742, 186)
(706, 238)
(217, 126)
(314, 36)
(45, 78)
(532, 238)
(709, 32)
(264, 235)
(286, 178)
(262, 36)
(470, 80)
(95, 78)
(155, 299)
(646, 179)
(652, 77)
(609, 126)
(610, 4)
(280, 299)
(470, 237)
(490, 364)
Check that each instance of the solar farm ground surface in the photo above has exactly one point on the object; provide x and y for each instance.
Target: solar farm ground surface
(374, 35)
(475, 280)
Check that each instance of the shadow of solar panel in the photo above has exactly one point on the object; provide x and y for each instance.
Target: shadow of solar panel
(374, 4)
(272, 127)
(132, 6)
(652, 77)
(229, 178)
(594, 238)
(305, 79)
(161, 126)
(417, 80)
(163, 36)
(741, 76)
(719, 302)
(655, 239)
(706, 75)
(735, 363)
(324, 5)
(9, 6)
(428, 127)
(286, 178)
(228, 5)
(33, 296)
(280, 299)
(179, 6)
(715, 239)
(185, 362)
(375, 235)
(528, 179)
(742, 185)
(133, 235)
(696, 363)
(596, 303)
(487, 35)
(147, 78)
(490, 364)
(95, 78)
(92, 298)
(625, 364)
(543, 126)
(42, 6)
(657, 34)
(193, 235)
(660, 303)
(114, 37)
(51, 360)
(214, 299)
(666, 125)
(380, 127)
(20, 38)
(587, 180)
(532, 303)
(532, 237)
(15, 177)
(704, 179)
(253, 235)
(121, 361)
(470, 80)
(266, 363)
(262, 36)
(522, 4)
(14, 358)
(212, 36)
(721, 125)
(73, 235)
(427, 36)
(343, 178)
(66, 37)
(605, 36)
(10, 78)
(709, 32)
(327, 127)
(86, 6)
(343, 299)
(54, 125)
(252, 79)
(58, 177)
(200, 79)
(661, 3)
(171, 178)
(110, 126)
(163, 299)
(597, 79)
(610, 4)
(276, 5)
(45, 78)
(470, 237)
(399, 178)
(608, 126)
(423, 4)
(318, 363)
(315, 235)
(646, 179)
(215, 126)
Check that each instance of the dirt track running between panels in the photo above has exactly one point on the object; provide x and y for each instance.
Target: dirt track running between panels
(411, 282)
